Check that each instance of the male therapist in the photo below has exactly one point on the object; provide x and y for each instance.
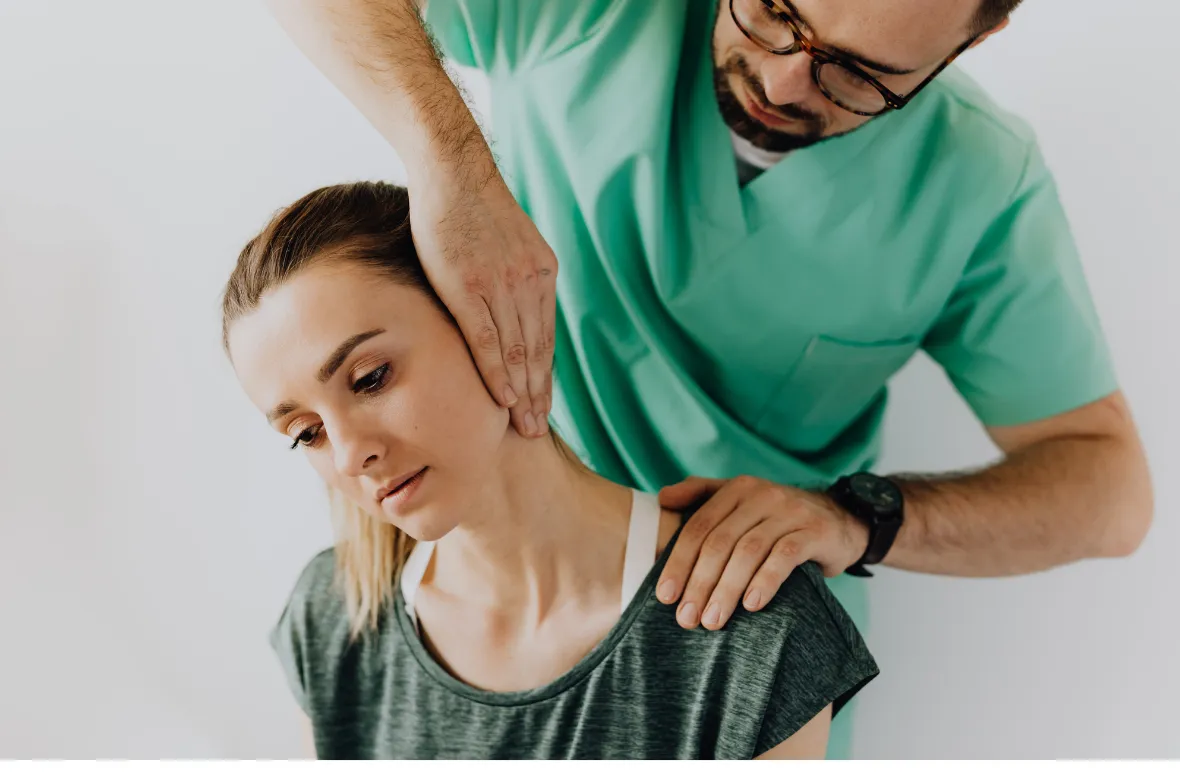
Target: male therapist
(761, 209)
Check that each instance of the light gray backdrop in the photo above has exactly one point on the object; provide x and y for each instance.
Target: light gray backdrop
(151, 525)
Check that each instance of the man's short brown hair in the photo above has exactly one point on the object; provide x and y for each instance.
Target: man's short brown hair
(991, 13)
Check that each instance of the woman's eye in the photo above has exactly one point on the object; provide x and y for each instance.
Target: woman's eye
(307, 437)
(370, 383)
(373, 381)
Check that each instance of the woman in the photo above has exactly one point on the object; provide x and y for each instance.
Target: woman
(487, 596)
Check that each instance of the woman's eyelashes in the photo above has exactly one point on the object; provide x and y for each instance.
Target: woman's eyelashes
(373, 381)
(306, 437)
(369, 384)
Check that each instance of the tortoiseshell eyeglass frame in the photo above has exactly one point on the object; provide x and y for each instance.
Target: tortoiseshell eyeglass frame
(788, 15)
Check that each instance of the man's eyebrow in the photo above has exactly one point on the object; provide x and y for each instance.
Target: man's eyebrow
(331, 365)
(859, 58)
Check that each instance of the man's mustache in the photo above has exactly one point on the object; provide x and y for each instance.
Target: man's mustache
(738, 67)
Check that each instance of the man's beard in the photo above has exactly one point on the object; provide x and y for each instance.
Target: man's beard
(751, 129)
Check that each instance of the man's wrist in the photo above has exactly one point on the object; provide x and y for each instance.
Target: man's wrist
(858, 535)
(853, 534)
(876, 504)
(451, 156)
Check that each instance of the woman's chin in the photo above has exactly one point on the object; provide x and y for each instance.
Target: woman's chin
(421, 525)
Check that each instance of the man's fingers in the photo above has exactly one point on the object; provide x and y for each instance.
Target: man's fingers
(716, 553)
(691, 491)
(506, 315)
(541, 364)
(528, 304)
(688, 545)
(474, 318)
(788, 553)
(748, 555)
(710, 536)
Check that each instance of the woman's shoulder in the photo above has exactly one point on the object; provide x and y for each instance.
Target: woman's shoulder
(766, 673)
(316, 608)
(803, 608)
(312, 635)
(805, 643)
(806, 608)
(317, 581)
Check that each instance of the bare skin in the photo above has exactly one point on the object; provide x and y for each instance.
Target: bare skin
(482, 254)
(513, 597)
(1069, 487)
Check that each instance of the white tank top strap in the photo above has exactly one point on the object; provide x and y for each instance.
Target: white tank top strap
(412, 573)
(643, 538)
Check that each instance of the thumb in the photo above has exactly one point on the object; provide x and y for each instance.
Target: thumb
(689, 492)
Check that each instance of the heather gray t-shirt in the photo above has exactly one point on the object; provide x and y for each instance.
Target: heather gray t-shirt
(649, 690)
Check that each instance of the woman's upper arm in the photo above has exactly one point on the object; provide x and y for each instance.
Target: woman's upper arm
(810, 742)
(308, 736)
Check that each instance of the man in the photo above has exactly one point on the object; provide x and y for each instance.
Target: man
(761, 210)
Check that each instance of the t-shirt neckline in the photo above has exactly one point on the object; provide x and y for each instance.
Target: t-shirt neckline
(644, 596)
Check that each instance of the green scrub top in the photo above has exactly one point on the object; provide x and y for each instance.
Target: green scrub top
(709, 329)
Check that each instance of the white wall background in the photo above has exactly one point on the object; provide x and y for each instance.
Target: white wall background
(151, 526)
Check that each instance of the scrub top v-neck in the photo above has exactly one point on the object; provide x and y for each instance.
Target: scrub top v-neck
(710, 329)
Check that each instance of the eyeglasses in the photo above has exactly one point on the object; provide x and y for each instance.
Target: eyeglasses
(839, 78)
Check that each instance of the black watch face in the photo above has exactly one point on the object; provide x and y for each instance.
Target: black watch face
(882, 494)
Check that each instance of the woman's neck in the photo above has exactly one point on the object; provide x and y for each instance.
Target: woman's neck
(546, 532)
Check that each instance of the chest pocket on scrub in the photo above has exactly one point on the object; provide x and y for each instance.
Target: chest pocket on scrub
(830, 386)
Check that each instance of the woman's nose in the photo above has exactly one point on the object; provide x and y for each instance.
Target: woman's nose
(787, 79)
(356, 452)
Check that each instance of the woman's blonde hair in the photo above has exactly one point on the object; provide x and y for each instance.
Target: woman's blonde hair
(368, 223)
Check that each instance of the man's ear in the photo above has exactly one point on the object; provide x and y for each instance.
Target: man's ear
(990, 32)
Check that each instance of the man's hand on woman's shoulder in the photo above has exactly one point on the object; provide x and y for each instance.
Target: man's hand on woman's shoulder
(744, 541)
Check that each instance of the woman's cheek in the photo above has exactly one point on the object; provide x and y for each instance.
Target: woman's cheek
(322, 465)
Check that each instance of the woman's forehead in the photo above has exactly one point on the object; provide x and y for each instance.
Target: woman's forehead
(284, 340)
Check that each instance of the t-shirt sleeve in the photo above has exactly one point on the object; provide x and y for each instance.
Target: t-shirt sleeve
(1020, 338)
(823, 660)
(291, 637)
(509, 35)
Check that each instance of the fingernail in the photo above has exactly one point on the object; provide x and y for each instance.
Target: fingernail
(530, 425)
(667, 591)
(688, 614)
(752, 599)
(712, 615)
(543, 423)
(509, 396)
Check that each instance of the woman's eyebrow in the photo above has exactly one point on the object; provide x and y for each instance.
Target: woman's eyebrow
(331, 365)
(342, 352)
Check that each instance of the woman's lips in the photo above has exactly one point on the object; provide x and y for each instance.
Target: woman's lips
(396, 500)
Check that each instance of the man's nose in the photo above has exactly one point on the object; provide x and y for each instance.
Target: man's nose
(787, 79)
(356, 451)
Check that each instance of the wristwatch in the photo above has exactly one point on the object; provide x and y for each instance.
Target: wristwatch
(878, 503)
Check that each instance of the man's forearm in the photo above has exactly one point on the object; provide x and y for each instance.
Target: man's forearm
(378, 54)
(1053, 503)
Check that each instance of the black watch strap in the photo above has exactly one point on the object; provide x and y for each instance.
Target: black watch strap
(878, 503)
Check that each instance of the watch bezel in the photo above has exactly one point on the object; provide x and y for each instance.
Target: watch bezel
(881, 513)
